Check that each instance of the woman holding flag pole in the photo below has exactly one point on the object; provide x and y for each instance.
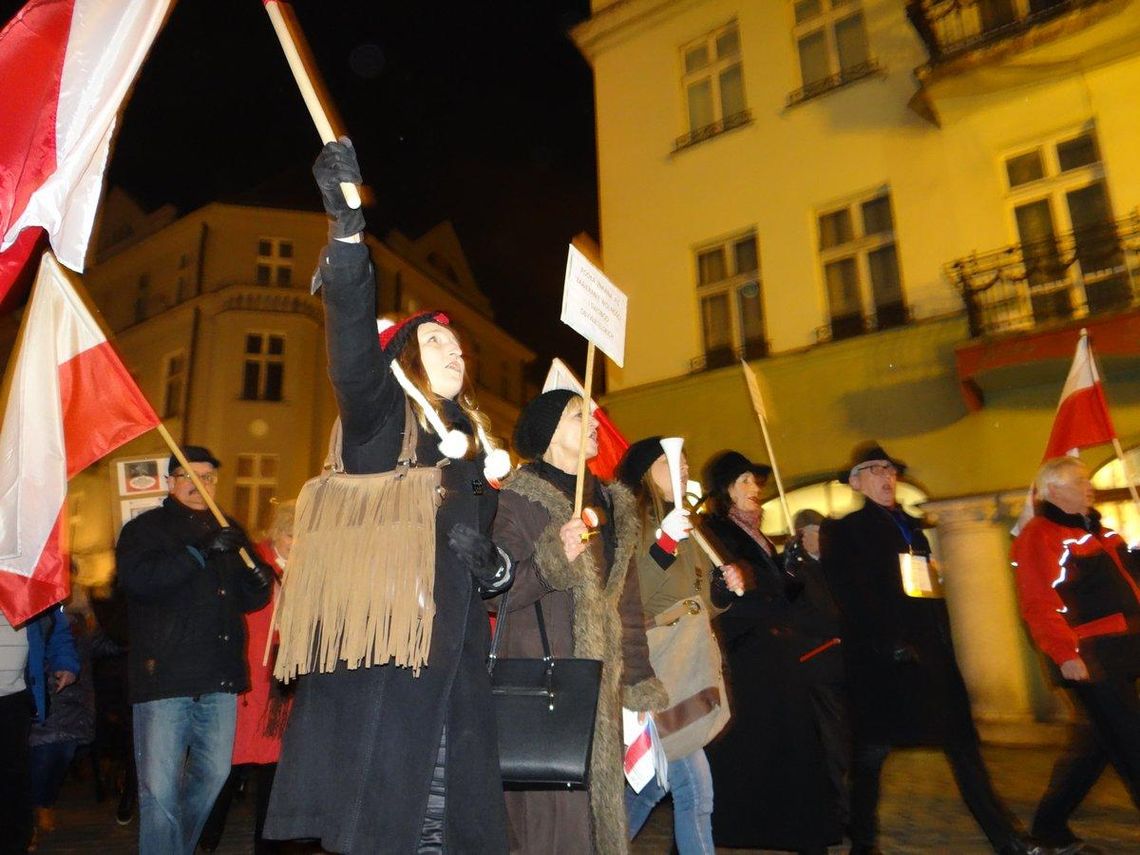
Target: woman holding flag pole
(680, 591)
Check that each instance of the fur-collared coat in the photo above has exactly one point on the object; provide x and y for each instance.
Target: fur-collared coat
(591, 611)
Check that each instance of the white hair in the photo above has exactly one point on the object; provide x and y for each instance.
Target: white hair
(1054, 471)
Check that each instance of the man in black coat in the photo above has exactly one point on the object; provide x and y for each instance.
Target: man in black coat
(903, 679)
(187, 587)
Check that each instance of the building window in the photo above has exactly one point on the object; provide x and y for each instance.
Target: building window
(173, 384)
(831, 43)
(274, 262)
(731, 300)
(255, 487)
(263, 372)
(713, 83)
(1070, 249)
(859, 257)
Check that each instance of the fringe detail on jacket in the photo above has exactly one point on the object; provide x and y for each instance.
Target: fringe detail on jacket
(597, 635)
(359, 586)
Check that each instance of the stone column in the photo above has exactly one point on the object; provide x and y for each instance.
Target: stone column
(973, 551)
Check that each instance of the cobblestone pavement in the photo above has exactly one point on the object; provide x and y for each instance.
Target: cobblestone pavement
(921, 812)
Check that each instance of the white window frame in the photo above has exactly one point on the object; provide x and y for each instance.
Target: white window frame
(263, 360)
(711, 71)
(174, 403)
(1053, 187)
(274, 262)
(730, 287)
(860, 248)
(832, 13)
(255, 483)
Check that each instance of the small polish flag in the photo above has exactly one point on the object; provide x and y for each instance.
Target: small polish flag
(1082, 418)
(644, 756)
(65, 68)
(70, 402)
(611, 444)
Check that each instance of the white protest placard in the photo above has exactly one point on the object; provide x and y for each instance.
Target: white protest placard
(593, 306)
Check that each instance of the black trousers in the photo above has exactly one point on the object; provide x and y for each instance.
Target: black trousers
(829, 708)
(261, 776)
(15, 777)
(970, 773)
(1112, 735)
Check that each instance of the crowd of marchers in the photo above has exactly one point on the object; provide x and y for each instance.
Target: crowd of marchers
(776, 679)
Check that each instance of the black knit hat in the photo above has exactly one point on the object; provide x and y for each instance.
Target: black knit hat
(538, 421)
(194, 454)
(394, 339)
(637, 460)
(727, 466)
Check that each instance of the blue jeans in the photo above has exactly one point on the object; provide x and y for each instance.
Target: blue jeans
(182, 750)
(690, 781)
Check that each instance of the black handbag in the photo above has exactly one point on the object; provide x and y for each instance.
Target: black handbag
(545, 710)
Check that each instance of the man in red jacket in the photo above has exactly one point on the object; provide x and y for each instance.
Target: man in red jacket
(1077, 586)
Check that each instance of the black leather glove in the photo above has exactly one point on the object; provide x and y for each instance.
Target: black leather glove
(228, 539)
(263, 572)
(336, 164)
(479, 554)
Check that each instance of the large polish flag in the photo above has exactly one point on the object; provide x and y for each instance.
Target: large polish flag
(611, 443)
(65, 68)
(70, 401)
(1082, 418)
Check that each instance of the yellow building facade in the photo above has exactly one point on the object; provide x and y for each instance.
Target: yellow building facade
(901, 214)
(213, 315)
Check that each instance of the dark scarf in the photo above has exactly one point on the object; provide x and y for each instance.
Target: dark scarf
(593, 496)
(1090, 523)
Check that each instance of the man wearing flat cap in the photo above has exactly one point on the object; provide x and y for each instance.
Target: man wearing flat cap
(905, 686)
(186, 587)
(583, 581)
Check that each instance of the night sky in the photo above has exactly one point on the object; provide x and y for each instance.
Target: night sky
(480, 112)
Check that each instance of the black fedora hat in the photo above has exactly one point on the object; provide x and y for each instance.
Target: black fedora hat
(869, 452)
(727, 466)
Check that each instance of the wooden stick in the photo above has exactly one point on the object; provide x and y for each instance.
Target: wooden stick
(289, 38)
(197, 482)
(580, 484)
(1127, 473)
(758, 407)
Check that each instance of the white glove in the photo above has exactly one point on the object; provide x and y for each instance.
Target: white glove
(676, 525)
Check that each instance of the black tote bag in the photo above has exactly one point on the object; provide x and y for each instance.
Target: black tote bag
(545, 710)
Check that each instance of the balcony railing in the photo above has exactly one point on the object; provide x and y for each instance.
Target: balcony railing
(1089, 271)
(952, 27)
(720, 357)
(720, 126)
(834, 81)
(886, 316)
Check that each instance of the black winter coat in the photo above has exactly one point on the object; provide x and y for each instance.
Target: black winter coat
(769, 777)
(185, 610)
(904, 681)
(361, 745)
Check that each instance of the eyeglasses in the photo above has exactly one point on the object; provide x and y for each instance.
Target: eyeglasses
(880, 469)
(205, 478)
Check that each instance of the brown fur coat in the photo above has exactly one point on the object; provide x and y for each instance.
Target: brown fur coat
(591, 611)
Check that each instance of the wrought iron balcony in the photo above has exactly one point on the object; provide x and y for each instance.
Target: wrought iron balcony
(721, 357)
(952, 27)
(1086, 272)
(886, 316)
(834, 81)
(720, 126)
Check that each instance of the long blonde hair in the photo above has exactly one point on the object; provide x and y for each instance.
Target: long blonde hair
(409, 359)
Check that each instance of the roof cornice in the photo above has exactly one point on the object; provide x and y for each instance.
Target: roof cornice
(621, 19)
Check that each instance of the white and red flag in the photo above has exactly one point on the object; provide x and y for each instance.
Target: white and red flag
(611, 443)
(70, 402)
(1082, 418)
(65, 68)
